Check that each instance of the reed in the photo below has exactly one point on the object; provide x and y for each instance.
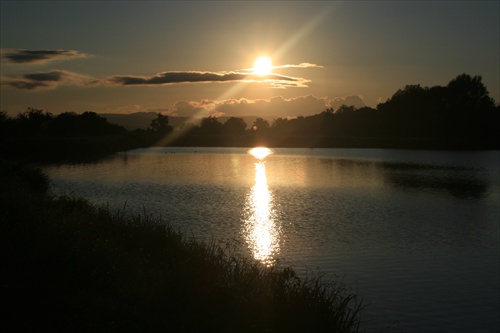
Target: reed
(73, 266)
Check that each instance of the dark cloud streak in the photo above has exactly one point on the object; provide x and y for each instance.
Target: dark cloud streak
(20, 56)
(50, 79)
(200, 77)
(24, 85)
(53, 76)
(47, 80)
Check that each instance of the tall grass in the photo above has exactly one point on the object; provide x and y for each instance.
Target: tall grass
(72, 266)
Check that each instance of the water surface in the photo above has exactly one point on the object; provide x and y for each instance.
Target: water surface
(416, 232)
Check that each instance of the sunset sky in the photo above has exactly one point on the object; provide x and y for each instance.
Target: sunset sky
(196, 58)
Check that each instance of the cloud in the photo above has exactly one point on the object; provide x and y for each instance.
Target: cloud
(53, 76)
(51, 79)
(354, 100)
(22, 84)
(203, 108)
(301, 65)
(135, 108)
(47, 80)
(20, 56)
(165, 78)
(276, 106)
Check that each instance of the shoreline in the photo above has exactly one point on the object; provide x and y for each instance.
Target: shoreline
(72, 265)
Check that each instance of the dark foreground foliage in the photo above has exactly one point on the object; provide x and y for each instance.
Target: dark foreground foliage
(71, 266)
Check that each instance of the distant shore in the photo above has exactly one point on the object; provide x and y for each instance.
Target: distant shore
(93, 148)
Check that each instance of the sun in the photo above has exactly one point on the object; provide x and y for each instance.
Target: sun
(262, 66)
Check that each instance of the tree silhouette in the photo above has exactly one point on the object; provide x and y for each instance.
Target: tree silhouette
(260, 125)
(468, 94)
(468, 107)
(65, 124)
(90, 123)
(210, 126)
(160, 124)
(406, 112)
(32, 122)
(5, 125)
(234, 126)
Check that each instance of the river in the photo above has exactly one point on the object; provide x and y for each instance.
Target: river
(415, 233)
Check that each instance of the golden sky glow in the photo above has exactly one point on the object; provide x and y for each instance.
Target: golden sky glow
(196, 58)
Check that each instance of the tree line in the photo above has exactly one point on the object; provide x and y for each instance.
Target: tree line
(41, 135)
(460, 115)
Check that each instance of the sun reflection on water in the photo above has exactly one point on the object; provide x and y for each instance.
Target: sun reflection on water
(260, 152)
(260, 229)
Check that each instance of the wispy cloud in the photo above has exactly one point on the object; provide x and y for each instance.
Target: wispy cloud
(54, 78)
(47, 80)
(20, 56)
(301, 65)
(165, 78)
(51, 79)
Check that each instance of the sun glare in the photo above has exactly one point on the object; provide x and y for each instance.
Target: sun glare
(260, 152)
(262, 66)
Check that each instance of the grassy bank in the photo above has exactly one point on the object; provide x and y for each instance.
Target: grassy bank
(69, 265)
